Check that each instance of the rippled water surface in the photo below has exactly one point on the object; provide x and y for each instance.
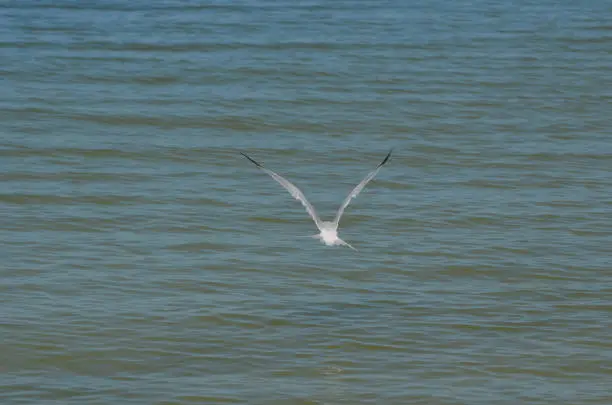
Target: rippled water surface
(144, 261)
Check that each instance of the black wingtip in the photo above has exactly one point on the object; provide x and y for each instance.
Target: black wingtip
(253, 161)
(386, 158)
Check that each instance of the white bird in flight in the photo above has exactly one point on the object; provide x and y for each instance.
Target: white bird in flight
(328, 230)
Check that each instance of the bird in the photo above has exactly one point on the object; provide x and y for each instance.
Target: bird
(328, 230)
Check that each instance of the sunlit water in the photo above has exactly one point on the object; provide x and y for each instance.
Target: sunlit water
(144, 261)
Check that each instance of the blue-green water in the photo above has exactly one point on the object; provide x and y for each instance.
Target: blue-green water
(144, 261)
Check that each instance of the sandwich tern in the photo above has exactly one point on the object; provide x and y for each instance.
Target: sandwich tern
(328, 229)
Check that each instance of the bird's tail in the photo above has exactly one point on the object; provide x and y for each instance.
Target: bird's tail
(343, 243)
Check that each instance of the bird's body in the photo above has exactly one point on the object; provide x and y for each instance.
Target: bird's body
(329, 235)
(328, 229)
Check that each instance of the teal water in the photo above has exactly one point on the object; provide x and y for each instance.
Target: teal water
(144, 261)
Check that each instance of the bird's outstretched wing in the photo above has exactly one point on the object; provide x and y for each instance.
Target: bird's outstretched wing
(355, 192)
(293, 190)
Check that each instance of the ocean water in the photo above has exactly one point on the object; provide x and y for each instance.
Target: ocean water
(145, 261)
